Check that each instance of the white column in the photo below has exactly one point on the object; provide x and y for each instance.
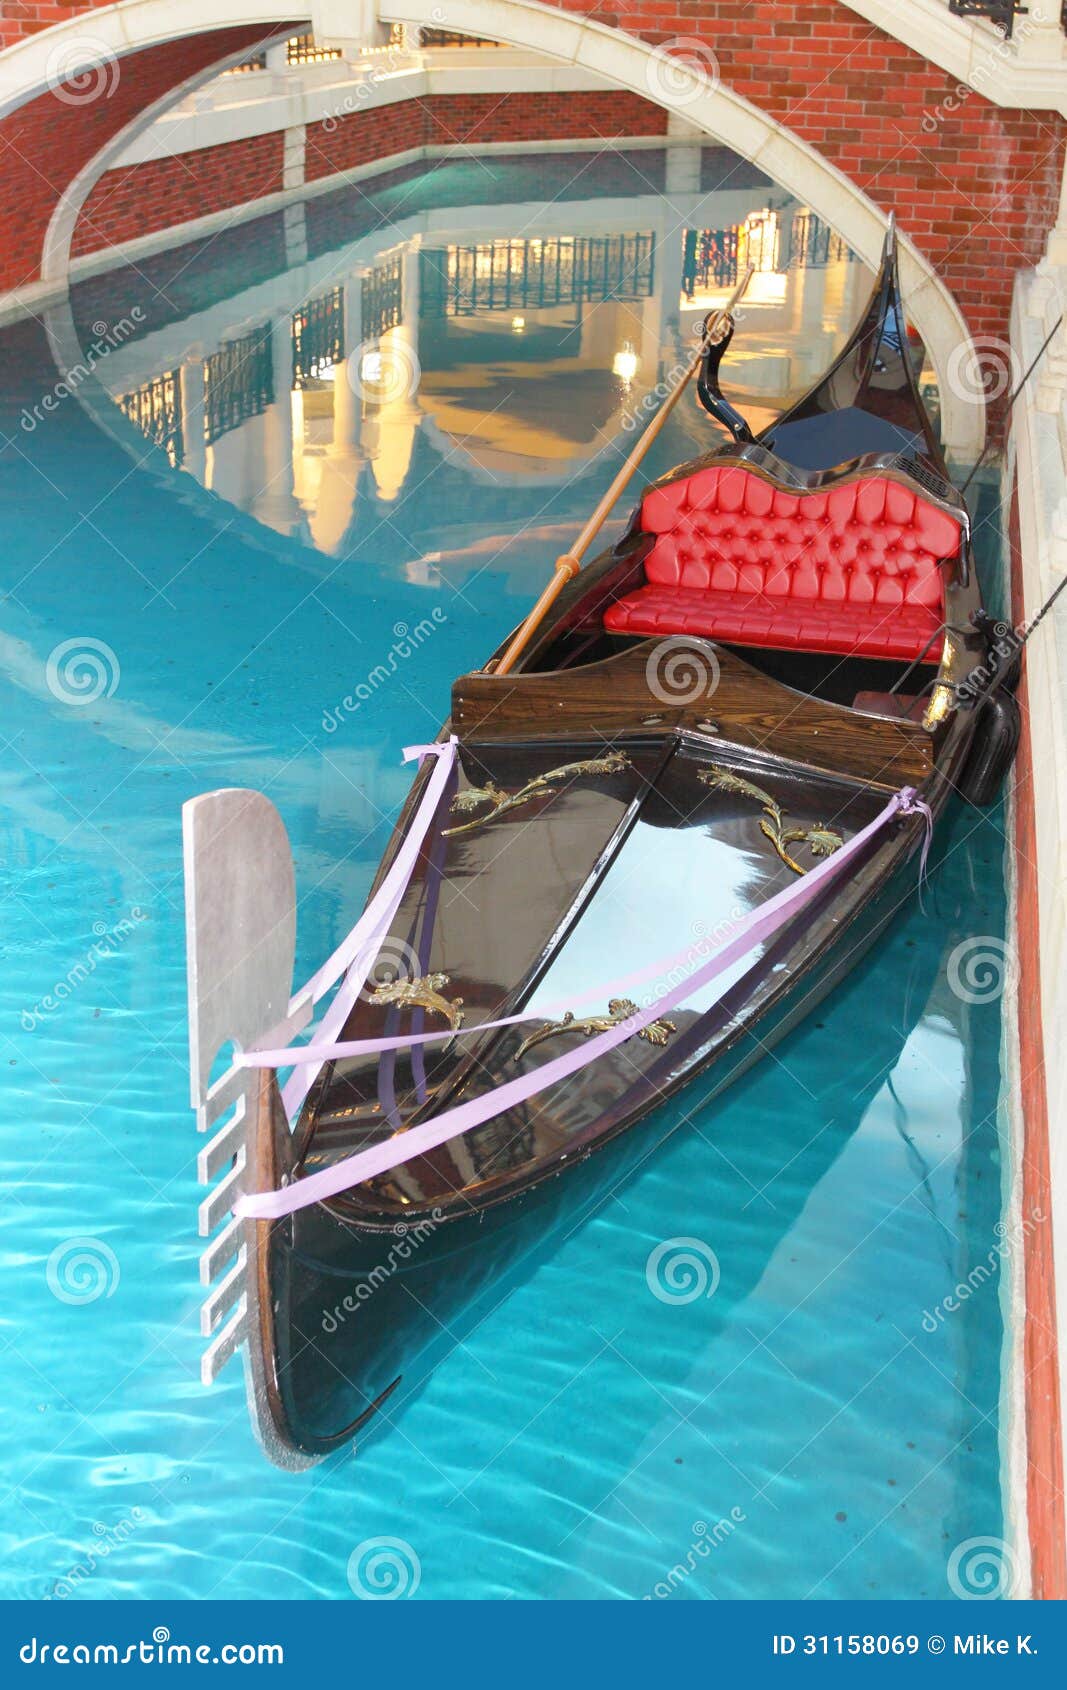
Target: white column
(191, 380)
(347, 402)
(274, 502)
(348, 23)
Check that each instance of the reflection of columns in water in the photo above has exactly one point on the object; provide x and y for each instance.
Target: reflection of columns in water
(191, 393)
(347, 403)
(341, 464)
(273, 501)
(396, 421)
(670, 255)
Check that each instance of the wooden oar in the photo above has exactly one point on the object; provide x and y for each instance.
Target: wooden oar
(569, 564)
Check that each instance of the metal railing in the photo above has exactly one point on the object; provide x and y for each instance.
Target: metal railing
(1001, 12)
(318, 337)
(519, 274)
(238, 382)
(156, 409)
(382, 296)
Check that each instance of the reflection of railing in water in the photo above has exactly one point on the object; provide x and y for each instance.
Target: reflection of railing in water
(318, 337)
(238, 382)
(156, 409)
(714, 258)
(709, 260)
(814, 244)
(382, 297)
(507, 275)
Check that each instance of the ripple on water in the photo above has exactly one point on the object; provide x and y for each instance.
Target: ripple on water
(799, 1430)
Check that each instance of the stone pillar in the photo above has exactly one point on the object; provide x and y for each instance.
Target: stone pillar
(191, 379)
(348, 24)
(274, 502)
(347, 399)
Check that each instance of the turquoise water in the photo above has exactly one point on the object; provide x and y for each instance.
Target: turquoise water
(817, 1426)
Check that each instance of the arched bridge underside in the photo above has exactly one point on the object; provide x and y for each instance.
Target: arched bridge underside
(850, 120)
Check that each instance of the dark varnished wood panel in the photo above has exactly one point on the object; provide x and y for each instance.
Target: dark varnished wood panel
(740, 705)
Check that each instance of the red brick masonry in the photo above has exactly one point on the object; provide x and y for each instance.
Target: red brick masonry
(49, 140)
(141, 198)
(975, 186)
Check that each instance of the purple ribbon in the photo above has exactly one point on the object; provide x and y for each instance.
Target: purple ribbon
(756, 927)
(913, 805)
(356, 953)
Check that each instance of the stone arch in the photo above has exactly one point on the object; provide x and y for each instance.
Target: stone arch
(690, 88)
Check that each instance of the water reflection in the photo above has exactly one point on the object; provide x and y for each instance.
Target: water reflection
(321, 400)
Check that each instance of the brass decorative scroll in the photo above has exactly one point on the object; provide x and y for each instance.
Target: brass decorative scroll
(619, 1009)
(542, 786)
(423, 992)
(822, 841)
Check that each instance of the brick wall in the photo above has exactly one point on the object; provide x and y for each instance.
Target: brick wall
(141, 198)
(976, 187)
(455, 119)
(46, 142)
(20, 18)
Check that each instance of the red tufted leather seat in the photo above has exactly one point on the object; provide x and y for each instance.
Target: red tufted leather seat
(851, 570)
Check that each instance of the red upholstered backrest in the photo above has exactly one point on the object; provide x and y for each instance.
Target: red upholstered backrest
(864, 542)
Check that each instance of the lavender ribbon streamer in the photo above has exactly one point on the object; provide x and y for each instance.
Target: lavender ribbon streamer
(760, 924)
(914, 805)
(357, 952)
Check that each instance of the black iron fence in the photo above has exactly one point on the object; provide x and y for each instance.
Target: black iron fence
(382, 296)
(238, 382)
(813, 244)
(713, 259)
(1001, 12)
(156, 409)
(523, 275)
(318, 337)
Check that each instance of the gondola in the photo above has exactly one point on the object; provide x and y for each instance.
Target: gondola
(666, 817)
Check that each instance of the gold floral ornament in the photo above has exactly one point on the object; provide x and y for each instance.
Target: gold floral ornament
(619, 1009)
(542, 786)
(423, 992)
(822, 841)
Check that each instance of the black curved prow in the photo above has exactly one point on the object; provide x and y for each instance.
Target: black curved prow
(868, 400)
(710, 394)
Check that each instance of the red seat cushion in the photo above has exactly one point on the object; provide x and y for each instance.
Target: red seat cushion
(853, 569)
